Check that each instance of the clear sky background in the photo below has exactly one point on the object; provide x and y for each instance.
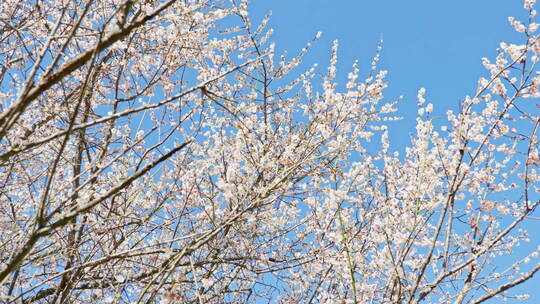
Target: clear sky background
(427, 43)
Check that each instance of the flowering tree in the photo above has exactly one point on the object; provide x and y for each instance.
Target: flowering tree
(150, 151)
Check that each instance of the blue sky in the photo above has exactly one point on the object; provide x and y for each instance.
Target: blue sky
(431, 44)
